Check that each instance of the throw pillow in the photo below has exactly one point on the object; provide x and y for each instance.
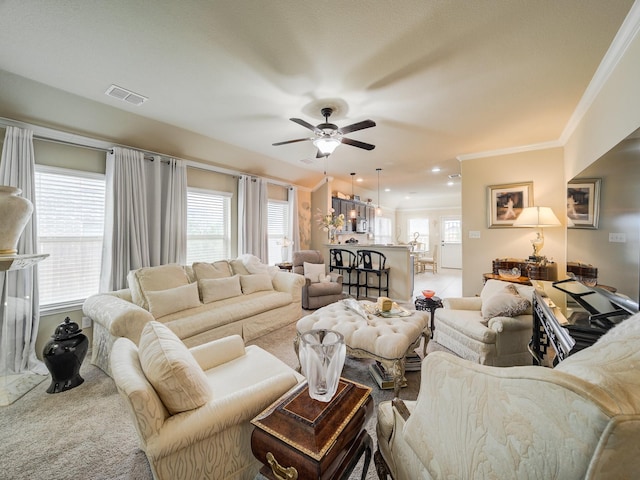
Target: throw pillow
(314, 271)
(237, 267)
(253, 264)
(219, 269)
(172, 300)
(214, 289)
(505, 303)
(255, 283)
(171, 369)
(151, 279)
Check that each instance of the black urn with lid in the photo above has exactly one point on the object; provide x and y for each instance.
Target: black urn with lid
(63, 356)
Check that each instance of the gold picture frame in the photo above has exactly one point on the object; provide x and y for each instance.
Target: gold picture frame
(507, 201)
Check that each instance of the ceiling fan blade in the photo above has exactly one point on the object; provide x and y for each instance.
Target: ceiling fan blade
(306, 124)
(357, 126)
(356, 143)
(291, 141)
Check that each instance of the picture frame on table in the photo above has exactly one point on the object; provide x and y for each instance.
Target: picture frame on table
(583, 203)
(507, 201)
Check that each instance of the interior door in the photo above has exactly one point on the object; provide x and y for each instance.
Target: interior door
(451, 242)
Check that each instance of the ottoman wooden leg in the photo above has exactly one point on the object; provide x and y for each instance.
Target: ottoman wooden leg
(397, 371)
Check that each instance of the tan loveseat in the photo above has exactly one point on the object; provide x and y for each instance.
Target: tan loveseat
(579, 420)
(199, 303)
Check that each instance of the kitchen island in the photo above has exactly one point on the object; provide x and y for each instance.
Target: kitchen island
(399, 261)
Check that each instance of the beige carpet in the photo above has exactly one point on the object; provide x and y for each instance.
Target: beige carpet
(86, 433)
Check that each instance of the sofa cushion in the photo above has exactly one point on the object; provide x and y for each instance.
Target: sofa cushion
(255, 283)
(315, 272)
(204, 270)
(238, 268)
(214, 289)
(165, 302)
(171, 369)
(504, 303)
(152, 279)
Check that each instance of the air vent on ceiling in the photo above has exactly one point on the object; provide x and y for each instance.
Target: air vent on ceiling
(125, 95)
(455, 175)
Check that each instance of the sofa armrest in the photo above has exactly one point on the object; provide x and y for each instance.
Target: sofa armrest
(214, 353)
(462, 303)
(188, 428)
(118, 316)
(521, 322)
(290, 283)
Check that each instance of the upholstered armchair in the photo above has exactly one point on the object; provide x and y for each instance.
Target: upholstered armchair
(320, 288)
(579, 420)
(192, 407)
(494, 328)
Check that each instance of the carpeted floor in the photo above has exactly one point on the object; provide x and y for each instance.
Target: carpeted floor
(86, 433)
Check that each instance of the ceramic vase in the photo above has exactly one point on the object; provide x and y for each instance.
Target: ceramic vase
(322, 354)
(15, 212)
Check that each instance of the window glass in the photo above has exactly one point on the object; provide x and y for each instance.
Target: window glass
(421, 227)
(278, 226)
(383, 230)
(208, 225)
(70, 215)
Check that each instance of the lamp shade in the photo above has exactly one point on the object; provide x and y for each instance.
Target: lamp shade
(537, 217)
(326, 145)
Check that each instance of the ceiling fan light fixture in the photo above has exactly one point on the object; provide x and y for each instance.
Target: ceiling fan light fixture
(326, 146)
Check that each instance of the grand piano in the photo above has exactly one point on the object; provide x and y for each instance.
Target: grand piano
(573, 319)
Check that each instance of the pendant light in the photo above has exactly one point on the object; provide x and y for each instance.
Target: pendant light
(378, 209)
(353, 214)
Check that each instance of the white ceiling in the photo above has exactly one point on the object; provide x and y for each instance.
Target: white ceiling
(440, 78)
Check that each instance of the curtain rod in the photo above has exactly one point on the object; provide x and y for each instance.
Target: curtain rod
(81, 141)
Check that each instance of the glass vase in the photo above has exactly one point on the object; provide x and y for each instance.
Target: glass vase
(322, 354)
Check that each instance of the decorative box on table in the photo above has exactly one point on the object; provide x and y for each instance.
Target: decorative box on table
(299, 437)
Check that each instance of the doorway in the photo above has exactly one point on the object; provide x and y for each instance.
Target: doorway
(451, 242)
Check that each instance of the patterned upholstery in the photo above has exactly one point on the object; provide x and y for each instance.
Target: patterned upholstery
(580, 420)
(214, 440)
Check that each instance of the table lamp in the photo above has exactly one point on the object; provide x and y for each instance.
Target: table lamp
(537, 217)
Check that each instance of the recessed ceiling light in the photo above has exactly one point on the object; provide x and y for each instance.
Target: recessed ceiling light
(435, 169)
(449, 183)
(359, 180)
(387, 189)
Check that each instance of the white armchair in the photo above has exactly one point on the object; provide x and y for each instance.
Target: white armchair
(580, 420)
(492, 329)
(228, 386)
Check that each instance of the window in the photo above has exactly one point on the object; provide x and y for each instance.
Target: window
(420, 226)
(208, 225)
(383, 230)
(451, 230)
(278, 227)
(70, 214)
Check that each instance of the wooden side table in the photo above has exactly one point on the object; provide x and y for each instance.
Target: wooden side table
(299, 437)
(287, 267)
(430, 304)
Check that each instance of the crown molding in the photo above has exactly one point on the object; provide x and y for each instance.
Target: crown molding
(620, 44)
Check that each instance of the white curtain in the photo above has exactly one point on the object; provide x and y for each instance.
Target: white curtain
(294, 226)
(18, 335)
(252, 217)
(146, 215)
(167, 193)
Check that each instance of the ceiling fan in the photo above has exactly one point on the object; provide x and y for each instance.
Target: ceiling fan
(329, 136)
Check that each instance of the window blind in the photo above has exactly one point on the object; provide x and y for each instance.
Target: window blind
(208, 225)
(278, 226)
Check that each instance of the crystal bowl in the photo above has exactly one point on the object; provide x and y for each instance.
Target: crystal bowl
(510, 274)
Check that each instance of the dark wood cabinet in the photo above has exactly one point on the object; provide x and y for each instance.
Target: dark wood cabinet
(363, 211)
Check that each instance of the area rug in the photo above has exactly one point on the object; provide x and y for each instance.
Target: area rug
(86, 432)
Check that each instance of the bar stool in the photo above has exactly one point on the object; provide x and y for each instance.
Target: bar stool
(344, 261)
(371, 262)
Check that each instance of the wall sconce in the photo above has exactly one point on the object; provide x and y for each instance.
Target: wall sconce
(537, 217)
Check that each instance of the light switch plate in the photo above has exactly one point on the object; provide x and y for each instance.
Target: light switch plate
(618, 237)
(474, 234)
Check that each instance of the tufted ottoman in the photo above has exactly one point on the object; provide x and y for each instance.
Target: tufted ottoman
(387, 340)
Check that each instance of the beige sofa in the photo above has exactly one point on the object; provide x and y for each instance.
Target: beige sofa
(494, 328)
(198, 303)
(579, 420)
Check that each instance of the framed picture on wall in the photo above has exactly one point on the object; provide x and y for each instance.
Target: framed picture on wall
(507, 201)
(583, 203)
